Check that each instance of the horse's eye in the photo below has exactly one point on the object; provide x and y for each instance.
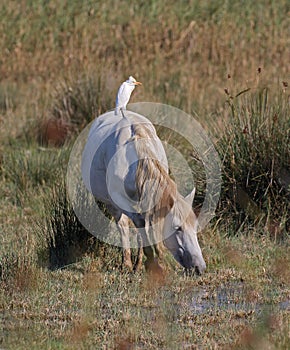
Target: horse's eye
(178, 228)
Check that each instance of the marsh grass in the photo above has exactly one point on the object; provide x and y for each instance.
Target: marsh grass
(84, 306)
(81, 99)
(76, 37)
(65, 60)
(256, 157)
(67, 240)
(8, 97)
(18, 272)
(26, 170)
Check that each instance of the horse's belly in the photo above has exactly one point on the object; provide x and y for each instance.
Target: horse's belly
(98, 185)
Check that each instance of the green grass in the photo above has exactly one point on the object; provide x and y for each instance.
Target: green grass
(228, 65)
(256, 157)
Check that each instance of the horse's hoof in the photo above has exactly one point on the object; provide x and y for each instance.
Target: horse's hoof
(138, 267)
(127, 266)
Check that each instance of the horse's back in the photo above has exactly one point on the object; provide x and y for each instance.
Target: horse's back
(110, 158)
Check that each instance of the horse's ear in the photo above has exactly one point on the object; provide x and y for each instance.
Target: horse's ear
(189, 198)
(171, 202)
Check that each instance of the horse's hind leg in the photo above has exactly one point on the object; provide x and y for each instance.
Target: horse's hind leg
(127, 262)
(123, 226)
(122, 222)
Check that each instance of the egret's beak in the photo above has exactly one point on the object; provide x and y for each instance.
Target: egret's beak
(137, 83)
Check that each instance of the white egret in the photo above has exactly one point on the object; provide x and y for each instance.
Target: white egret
(124, 93)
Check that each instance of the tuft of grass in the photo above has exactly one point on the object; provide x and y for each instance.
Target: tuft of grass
(17, 272)
(81, 99)
(67, 239)
(255, 151)
(75, 101)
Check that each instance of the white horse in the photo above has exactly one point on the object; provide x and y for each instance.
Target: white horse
(124, 165)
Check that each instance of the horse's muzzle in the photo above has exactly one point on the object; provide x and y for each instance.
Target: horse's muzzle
(189, 263)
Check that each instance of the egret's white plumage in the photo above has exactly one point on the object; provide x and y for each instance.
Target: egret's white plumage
(124, 93)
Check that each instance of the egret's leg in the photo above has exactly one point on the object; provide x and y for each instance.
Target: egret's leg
(121, 109)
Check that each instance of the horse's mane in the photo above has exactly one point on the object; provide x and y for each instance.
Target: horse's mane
(156, 190)
(154, 185)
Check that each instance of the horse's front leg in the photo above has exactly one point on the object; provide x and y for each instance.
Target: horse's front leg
(152, 255)
(139, 260)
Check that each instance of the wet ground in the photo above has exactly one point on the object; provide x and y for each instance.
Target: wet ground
(233, 297)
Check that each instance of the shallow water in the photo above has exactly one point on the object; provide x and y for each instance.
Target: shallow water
(230, 297)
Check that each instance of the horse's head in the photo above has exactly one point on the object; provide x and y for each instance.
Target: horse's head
(180, 228)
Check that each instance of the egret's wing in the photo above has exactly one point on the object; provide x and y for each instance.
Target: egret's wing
(121, 96)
